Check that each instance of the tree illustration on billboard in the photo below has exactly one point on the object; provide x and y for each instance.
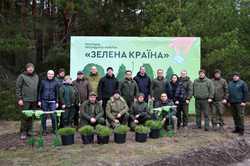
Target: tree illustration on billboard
(169, 73)
(149, 70)
(121, 72)
(88, 67)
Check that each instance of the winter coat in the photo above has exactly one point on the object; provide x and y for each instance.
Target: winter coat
(188, 86)
(116, 106)
(128, 89)
(144, 84)
(203, 88)
(220, 89)
(84, 88)
(68, 95)
(94, 80)
(27, 87)
(107, 86)
(89, 110)
(238, 91)
(139, 108)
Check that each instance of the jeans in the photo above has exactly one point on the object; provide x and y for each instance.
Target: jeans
(48, 106)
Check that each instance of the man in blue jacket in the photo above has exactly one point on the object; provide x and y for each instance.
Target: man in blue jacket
(143, 83)
(48, 99)
(238, 92)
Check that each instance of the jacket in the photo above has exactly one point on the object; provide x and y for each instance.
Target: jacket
(27, 87)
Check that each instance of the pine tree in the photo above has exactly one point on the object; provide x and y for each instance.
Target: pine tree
(121, 72)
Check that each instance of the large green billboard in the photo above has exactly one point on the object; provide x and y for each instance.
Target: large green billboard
(172, 54)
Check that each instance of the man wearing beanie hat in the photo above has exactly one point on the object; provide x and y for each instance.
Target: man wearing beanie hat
(117, 110)
(220, 98)
(106, 87)
(139, 112)
(91, 112)
(203, 90)
(238, 95)
(26, 93)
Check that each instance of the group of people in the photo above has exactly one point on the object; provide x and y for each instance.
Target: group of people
(92, 100)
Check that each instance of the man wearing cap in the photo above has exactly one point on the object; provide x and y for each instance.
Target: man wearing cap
(69, 98)
(94, 78)
(84, 88)
(60, 76)
(26, 93)
(106, 87)
(48, 99)
(203, 90)
(128, 88)
(238, 94)
(220, 98)
(139, 112)
(91, 112)
(117, 110)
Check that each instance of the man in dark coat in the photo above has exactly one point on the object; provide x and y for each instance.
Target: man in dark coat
(143, 83)
(84, 88)
(158, 85)
(106, 88)
(91, 112)
(139, 112)
(188, 86)
(69, 97)
(48, 99)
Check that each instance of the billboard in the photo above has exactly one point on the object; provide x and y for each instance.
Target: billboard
(172, 54)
